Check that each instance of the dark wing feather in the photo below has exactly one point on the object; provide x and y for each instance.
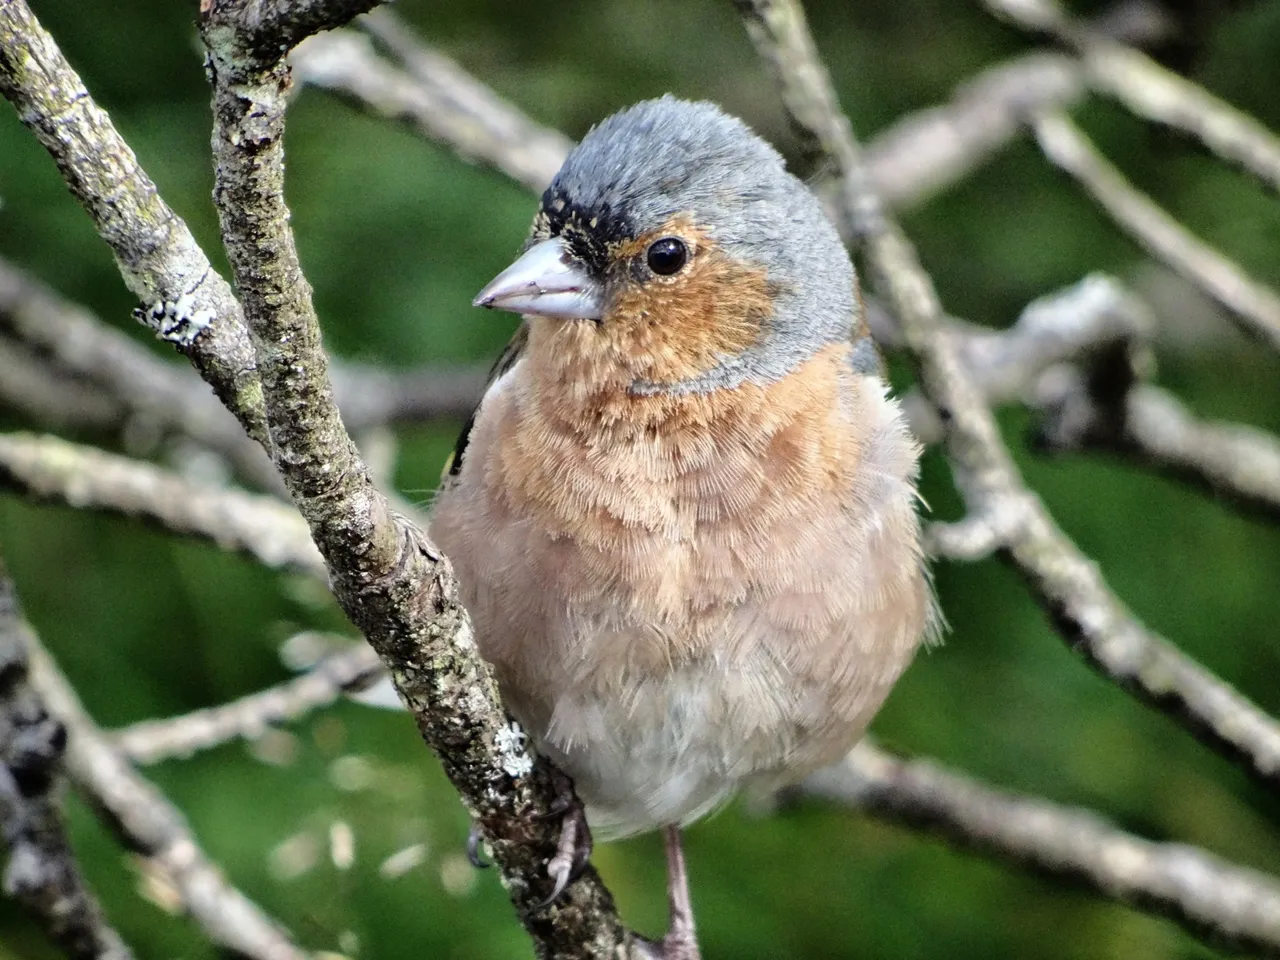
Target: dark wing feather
(506, 360)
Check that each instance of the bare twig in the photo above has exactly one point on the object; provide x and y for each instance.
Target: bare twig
(1254, 306)
(369, 396)
(390, 579)
(1151, 427)
(142, 384)
(183, 299)
(51, 469)
(1153, 92)
(147, 822)
(1233, 906)
(1065, 582)
(127, 379)
(33, 388)
(248, 718)
(929, 150)
(42, 871)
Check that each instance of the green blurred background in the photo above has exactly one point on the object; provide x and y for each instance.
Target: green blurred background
(397, 235)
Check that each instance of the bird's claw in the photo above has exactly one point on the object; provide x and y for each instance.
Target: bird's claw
(474, 856)
(573, 849)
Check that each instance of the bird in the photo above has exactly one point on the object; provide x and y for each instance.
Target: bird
(684, 516)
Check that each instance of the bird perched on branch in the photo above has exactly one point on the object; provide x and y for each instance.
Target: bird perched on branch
(683, 517)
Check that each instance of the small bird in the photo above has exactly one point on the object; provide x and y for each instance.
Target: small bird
(683, 517)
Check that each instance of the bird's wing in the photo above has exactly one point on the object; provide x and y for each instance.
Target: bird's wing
(511, 353)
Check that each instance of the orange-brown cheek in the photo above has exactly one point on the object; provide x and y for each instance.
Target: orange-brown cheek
(668, 330)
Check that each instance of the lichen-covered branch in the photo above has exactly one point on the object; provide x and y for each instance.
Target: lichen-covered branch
(182, 298)
(51, 469)
(390, 579)
(1064, 581)
(1230, 905)
(1255, 307)
(248, 718)
(1153, 92)
(41, 871)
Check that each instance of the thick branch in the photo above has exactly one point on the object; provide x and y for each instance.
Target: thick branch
(41, 871)
(1232, 906)
(50, 469)
(183, 299)
(390, 579)
(1255, 307)
(1067, 584)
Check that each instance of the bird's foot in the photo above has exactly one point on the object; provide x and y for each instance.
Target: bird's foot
(681, 941)
(474, 855)
(573, 849)
(674, 946)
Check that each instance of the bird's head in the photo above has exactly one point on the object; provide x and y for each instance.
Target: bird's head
(675, 236)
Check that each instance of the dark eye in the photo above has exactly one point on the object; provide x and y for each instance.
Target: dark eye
(667, 256)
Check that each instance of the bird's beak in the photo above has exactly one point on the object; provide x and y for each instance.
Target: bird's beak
(545, 281)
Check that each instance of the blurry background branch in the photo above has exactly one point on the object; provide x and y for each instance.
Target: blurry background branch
(40, 869)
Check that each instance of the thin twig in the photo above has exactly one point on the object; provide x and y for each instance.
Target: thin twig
(128, 379)
(1153, 92)
(248, 718)
(41, 872)
(1232, 906)
(33, 388)
(1152, 428)
(1069, 586)
(1255, 307)
(916, 158)
(388, 576)
(51, 469)
(147, 822)
(932, 149)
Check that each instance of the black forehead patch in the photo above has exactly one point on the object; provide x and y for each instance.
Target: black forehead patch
(589, 230)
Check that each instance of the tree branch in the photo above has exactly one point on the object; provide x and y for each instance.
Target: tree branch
(1092, 620)
(183, 299)
(1230, 905)
(143, 384)
(50, 469)
(1152, 428)
(1153, 92)
(1255, 307)
(147, 822)
(248, 718)
(42, 871)
(391, 580)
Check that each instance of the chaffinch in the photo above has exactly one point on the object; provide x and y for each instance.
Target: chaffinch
(683, 517)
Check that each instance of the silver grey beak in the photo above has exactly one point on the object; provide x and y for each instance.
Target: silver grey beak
(545, 281)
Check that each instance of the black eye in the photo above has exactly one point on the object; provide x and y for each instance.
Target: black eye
(667, 256)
